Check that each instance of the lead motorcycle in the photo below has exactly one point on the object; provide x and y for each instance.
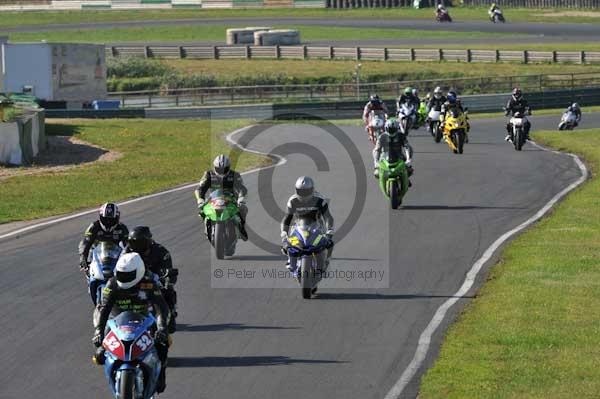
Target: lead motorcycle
(310, 245)
(443, 16)
(222, 213)
(376, 125)
(393, 180)
(517, 129)
(131, 362)
(568, 121)
(104, 259)
(496, 16)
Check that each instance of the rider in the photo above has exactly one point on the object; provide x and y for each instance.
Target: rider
(306, 203)
(374, 104)
(435, 102)
(440, 10)
(395, 145)
(453, 103)
(106, 228)
(132, 289)
(408, 97)
(492, 9)
(225, 178)
(576, 111)
(157, 260)
(517, 104)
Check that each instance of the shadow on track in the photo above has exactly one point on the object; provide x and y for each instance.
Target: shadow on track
(257, 257)
(363, 296)
(241, 361)
(228, 326)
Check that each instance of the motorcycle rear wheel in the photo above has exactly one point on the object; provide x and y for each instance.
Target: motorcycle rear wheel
(127, 384)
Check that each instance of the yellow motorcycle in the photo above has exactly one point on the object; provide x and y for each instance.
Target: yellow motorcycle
(455, 129)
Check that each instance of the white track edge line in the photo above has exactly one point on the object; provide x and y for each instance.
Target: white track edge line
(425, 338)
(228, 138)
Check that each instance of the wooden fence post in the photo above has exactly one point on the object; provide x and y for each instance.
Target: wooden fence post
(525, 56)
(181, 52)
(247, 52)
(469, 55)
(304, 52)
(412, 54)
(330, 52)
(582, 57)
(554, 56)
(277, 52)
(385, 54)
(357, 53)
(497, 55)
(440, 54)
(146, 51)
(215, 52)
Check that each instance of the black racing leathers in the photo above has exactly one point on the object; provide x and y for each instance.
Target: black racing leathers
(314, 209)
(518, 105)
(411, 99)
(95, 233)
(436, 103)
(158, 261)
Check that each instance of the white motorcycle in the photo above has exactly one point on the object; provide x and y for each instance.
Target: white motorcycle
(568, 121)
(517, 123)
(433, 124)
(407, 117)
(376, 125)
(496, 16)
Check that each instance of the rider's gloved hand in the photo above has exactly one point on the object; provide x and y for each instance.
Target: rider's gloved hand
(161, 337)
(83, 265)
(201, 208)
(97, 339)
(329, 234)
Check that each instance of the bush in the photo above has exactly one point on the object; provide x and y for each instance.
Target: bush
(133, 84)
(133, 67)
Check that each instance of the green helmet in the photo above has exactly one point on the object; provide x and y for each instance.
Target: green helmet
(391, 127)
(408, 91)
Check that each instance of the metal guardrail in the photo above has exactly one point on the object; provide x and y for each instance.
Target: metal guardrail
(347, 91)
(352, 53)
(333, 110)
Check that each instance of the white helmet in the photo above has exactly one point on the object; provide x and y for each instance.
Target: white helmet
(305, 187)
(575, 106)
(415, 92)
(221, 165)
(130, 270)
(440, 6)
(437, 92)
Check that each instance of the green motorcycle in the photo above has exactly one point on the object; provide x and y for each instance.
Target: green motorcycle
(393, 180)
(422, 113)
(222, 213)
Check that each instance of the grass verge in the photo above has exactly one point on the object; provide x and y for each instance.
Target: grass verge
(532, 331)
(13, 19)
(178, 33)
(157, 155)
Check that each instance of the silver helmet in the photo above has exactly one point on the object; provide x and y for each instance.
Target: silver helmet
(305, 187)
(221, 165)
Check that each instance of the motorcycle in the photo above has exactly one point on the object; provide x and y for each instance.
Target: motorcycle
(393, 180)
(131, 363)
(308, 243)
(443, 16)
(568, 121)
(406, 117)
(376, 125)
(496, 16)
(421, 114)
(104, 259)
(434, 125)
(517, 124)
(222, 213)
(455, 130)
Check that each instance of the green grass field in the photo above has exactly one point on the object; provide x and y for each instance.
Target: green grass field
(217, 33)
(532, 331)
(157, 155)
(13, 19)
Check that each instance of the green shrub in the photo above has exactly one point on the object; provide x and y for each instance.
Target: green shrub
(133, 67)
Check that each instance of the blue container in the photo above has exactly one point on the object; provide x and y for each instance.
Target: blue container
(106, 104)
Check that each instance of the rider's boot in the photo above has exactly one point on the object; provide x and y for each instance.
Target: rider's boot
(243, 232)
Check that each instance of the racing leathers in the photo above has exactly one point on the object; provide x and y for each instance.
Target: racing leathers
(137, 299)
(576, 111)
(409, 99)
(377, 106)
(231, 182)
(436, 103)
(313, 209)
(518, 106)
(157, 259)
(395, 147)
(94, 234)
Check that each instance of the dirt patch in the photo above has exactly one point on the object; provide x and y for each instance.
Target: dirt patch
(593, 14)
(63, 153)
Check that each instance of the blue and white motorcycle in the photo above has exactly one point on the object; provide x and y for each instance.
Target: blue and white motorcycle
(104, 259)
(131, 363)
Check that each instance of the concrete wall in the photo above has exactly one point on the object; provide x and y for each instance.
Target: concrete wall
(21, 141)
(78, 72)
(27, 65)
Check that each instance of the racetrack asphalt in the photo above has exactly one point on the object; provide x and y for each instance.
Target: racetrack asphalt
(557, 31)
(353, 341)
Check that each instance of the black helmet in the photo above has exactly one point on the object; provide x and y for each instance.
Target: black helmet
(517, 94)
(109, 215)
(140, 239)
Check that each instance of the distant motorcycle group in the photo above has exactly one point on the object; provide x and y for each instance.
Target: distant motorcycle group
(495, 14)
(444, 117)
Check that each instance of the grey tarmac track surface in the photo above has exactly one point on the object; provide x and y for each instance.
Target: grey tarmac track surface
(556, 30)
(269, 343)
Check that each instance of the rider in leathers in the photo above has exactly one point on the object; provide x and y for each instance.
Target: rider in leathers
(395, 145)
(517, 104)
(157, 260)
(435, 103)
(306, 204)
(133, 289)
(374, 104)
(576, 111)
(453, 103)
(224, 178)
(106, 228)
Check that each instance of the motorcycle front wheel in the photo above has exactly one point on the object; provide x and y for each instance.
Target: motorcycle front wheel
(306, 277)
(219, 240)
(394, 194)
(127, 384)
(519, 139)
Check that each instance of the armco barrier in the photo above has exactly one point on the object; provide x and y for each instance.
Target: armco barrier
(356, 53)
(330, 110)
